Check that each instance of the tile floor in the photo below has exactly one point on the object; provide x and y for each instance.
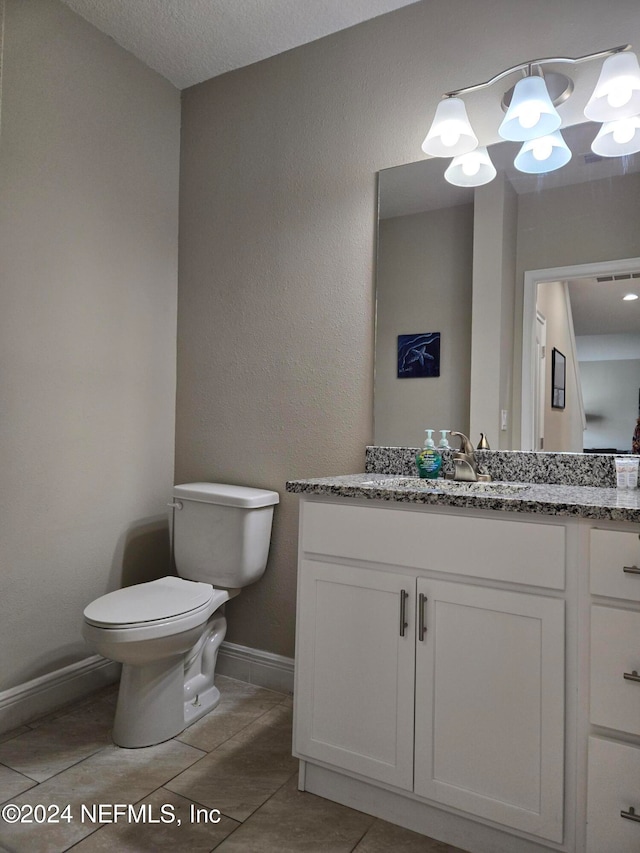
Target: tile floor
(237, 760)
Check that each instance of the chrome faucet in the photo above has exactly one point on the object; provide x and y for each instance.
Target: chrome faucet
(464, 460)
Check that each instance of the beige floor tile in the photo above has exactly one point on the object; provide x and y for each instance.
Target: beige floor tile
(108, 694)
(297, 822)
(58, 744)
(242, 773)
(12, 783)
(110, 776)
(235, 711)
(184, 833)
(273, 727)
(383, 836)
(232, 687)
(13, 733)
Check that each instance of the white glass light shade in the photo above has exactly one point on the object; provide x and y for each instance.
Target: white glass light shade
(617, 138)
(531, 112)
(545, 154)
(617, 92)
(450, 133)
(471, 169)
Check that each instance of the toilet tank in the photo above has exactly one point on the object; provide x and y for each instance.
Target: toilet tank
(221, 533)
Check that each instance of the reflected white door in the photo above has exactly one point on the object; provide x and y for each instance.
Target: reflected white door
(540, 381)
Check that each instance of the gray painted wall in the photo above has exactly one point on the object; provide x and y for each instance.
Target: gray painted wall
(88, 278)
(277, 225)
(610, 390)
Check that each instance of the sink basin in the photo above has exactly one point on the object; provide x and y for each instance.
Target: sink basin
(449, 486)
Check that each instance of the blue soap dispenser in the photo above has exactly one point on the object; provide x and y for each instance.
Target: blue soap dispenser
(429, 460)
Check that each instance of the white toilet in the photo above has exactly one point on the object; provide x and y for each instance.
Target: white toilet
(167, 632)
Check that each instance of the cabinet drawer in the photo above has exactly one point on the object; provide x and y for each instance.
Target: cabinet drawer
(496, 549)
(613, 788)
(613, 552)
(615, 650)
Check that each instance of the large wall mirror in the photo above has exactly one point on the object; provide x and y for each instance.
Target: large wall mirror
(564, 249)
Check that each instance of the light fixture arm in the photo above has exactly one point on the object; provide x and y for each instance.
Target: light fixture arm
(523, 66)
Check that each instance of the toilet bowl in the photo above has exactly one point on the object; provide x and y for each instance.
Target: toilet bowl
(167, 632)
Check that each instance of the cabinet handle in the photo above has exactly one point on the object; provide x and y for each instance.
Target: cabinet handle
(632, 676)
(422, 619)
(403, 611)
(631, 814)
(631, 570)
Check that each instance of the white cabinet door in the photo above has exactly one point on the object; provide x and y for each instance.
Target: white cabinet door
(355, 670)
(614, 797)
(490, 705)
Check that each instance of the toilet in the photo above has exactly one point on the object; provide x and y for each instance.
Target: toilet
(167, 632)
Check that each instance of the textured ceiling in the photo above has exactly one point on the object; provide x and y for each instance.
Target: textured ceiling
(188, 41)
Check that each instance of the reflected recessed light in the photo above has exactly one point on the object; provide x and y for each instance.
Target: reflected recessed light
(630, 297)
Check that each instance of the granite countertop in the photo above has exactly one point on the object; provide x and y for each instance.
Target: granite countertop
(561, 500)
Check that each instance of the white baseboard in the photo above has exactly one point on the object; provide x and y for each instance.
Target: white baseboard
(264, 669)
(40, 696)
(35, 698)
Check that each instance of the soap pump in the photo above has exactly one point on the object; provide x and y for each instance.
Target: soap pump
(483, 443)
(444, 442)
(429, 460)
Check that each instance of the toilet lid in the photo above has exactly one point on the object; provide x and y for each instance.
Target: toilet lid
(148, 602)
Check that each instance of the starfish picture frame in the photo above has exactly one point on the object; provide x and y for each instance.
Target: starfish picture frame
(419, 355)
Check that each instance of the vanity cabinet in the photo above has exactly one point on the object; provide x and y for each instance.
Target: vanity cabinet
(613, 800)
(428, 670)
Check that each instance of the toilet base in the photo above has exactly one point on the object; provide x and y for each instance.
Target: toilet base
(158, 700)
(200, 693)
(149, 708)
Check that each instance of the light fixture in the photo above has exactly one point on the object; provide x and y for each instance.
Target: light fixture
(617, 92)
(630, 297)
(531, 117)
(617, 138)
(471, 169)
(450, 133)
(531, 112)
(545, 154)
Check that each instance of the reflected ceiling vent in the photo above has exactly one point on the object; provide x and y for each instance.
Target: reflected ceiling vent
(622, 277)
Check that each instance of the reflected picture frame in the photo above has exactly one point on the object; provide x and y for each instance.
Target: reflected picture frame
(558, 379)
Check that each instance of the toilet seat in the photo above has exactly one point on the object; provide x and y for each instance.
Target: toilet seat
(154, 603)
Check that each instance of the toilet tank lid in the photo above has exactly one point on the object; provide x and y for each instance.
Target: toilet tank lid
(219, 493)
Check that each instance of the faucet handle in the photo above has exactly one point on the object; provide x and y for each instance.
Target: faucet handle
(465, 445)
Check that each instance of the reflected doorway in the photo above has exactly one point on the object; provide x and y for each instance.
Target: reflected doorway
(603, 356)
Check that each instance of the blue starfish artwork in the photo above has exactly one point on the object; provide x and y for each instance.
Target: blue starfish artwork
(419, 355)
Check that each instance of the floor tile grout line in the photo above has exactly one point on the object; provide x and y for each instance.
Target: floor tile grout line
(255, 811)
(365, 833)
(108, 745)
(231, 737)
(144, 799)
(203, 753)
(57, 773)
(102, 749)
(64, 710)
